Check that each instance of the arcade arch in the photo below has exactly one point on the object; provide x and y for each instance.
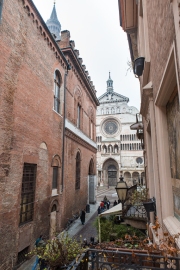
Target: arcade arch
(135, 177)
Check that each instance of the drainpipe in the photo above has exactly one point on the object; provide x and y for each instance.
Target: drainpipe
(63, 139)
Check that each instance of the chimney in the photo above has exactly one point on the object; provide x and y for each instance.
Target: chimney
(65, 39)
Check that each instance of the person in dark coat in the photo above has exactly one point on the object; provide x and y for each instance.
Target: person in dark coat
(82, 216)
(108, 204)
(99, 210)
(115, 203)
(38, 240)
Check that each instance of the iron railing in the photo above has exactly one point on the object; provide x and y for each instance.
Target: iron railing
(136, 211)
(94, 259)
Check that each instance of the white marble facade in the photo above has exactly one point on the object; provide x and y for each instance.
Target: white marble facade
(119, 151)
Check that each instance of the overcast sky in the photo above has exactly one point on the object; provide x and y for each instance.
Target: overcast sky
(95, 28)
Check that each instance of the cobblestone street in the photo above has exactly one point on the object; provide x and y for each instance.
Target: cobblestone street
(88, 230)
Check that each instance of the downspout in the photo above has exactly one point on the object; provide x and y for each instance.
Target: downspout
(63, 139)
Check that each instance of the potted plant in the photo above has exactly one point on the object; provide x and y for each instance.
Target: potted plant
(130, 66)
(161, 254)
(59, 251)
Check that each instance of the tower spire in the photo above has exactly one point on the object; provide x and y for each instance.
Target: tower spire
(109, 83)
(53, 23)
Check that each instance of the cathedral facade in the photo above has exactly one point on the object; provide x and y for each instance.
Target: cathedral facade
(119, 151)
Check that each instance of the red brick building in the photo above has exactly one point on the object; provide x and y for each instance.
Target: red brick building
(47, 156)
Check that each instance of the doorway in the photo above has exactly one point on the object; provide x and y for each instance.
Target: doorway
(52, 232)
(112, 175)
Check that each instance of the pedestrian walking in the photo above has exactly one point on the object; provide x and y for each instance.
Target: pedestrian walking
(115, 203)
(38, 240)
(82, 216)
(108, 204)
(99, 210)
(102, 205)
(85, 243)
(43, 264)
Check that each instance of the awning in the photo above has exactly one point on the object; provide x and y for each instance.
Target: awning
(115, 210)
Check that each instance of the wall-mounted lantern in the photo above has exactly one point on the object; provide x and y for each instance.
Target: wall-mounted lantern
(139, 66)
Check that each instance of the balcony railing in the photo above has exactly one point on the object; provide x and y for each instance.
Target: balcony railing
(94, 259)
(136, 211)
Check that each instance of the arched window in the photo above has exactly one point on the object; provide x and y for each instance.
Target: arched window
(78, 170)
(55, 166)
(104, 149)
(57, 91)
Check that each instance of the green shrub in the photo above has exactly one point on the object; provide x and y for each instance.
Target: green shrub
(119, 231)
(58, 251)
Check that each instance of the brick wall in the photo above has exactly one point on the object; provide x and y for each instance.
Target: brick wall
(27, 119)
(29, 125)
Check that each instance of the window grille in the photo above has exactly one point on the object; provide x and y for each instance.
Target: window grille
(57, 91)
(78, 170)
(55, 177)
(28, 192)
(22, 256)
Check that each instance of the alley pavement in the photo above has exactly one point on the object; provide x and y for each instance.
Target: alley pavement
(79, 231)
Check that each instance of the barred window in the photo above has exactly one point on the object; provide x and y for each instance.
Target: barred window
(78, 171)
(57, 91)
(55, 178)
(28, 192)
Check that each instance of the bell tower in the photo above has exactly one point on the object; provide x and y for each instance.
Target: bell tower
(109, 84)
(54, 25)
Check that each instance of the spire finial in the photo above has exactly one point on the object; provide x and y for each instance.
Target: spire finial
(109, 83)
(53, 23)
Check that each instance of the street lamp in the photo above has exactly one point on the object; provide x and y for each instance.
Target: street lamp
(121, 190)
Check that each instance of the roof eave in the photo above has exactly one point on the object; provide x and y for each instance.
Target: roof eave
(69, 50)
